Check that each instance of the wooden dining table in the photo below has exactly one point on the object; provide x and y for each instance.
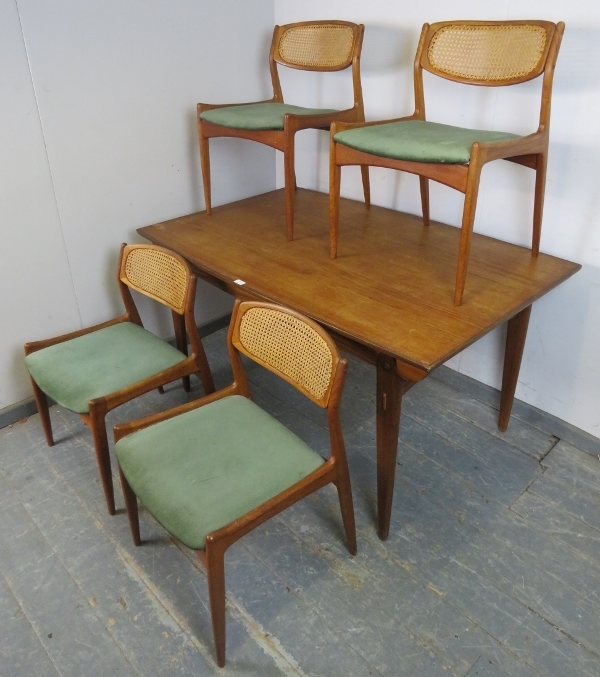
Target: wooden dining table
(387, 298)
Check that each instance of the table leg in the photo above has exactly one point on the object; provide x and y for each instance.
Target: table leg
(515, 343)
(390, 388)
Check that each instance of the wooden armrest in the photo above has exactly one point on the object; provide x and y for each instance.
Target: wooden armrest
(316, 120)
(32, 346)
(210, 106)
(342, 126)
(177, 371)
(123, 429)
(524, 145)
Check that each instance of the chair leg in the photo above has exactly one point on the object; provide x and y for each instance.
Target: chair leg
(290, 184)
(131, 505)
(424, 184)
(181, 341)
(364, 170)
(335, 175)
(538, 205)
(215, 572)
(204, 372)
(205, 163)
(42, 405)
(346, 506)
(98, 427)
(466, 230)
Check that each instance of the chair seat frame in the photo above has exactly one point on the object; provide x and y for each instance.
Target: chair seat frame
(196, 363)
(530, 150)
(284, 140)
(334, 470)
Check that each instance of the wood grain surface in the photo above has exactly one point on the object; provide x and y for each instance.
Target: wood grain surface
(391, 287)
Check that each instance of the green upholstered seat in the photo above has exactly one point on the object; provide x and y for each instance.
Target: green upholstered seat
(418, 141)
(257, 116)
(97, 364)
(203, 469)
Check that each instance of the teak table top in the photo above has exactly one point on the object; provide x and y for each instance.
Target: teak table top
(392, 285)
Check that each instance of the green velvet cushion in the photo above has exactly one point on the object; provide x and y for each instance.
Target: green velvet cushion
(418, 141)
(97, 364)
(257, 116)
(202, 470)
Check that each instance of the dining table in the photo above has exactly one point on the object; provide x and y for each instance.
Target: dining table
(387, 298)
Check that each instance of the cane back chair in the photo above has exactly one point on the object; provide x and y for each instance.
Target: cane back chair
(212, 470)
(487, 53)
(94, 370)
(322, 46)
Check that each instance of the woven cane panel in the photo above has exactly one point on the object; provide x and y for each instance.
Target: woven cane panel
(290, 346)
(492, 53)
(158, 274)
(320, 46)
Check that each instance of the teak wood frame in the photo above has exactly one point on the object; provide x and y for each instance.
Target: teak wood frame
(334, 470)
(283, 140)
(196, 363)
(530, 151)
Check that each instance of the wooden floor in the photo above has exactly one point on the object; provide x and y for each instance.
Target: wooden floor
(492, 567)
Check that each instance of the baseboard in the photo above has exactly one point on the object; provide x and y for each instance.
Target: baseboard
(19, 410)
(522, 410)
(16, 412)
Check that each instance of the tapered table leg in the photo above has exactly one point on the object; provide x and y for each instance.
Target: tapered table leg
(390, 388)
(515, 343)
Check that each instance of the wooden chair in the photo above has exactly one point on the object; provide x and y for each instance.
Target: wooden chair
(212, 470)
(487, 53)
(94, 370)
(312, 46)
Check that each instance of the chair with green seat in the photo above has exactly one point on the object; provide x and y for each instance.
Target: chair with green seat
(322, 46)
(488, 53)
(212, 470)
(94, 370)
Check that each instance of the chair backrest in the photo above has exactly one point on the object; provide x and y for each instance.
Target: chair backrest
(317, 46)
(157, 273)
(289, 345)
(489, 53)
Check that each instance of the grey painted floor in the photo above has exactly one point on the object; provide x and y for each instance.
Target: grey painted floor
(491, 567)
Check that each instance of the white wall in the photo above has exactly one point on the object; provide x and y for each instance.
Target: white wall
(98, 138)
(561, 367)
